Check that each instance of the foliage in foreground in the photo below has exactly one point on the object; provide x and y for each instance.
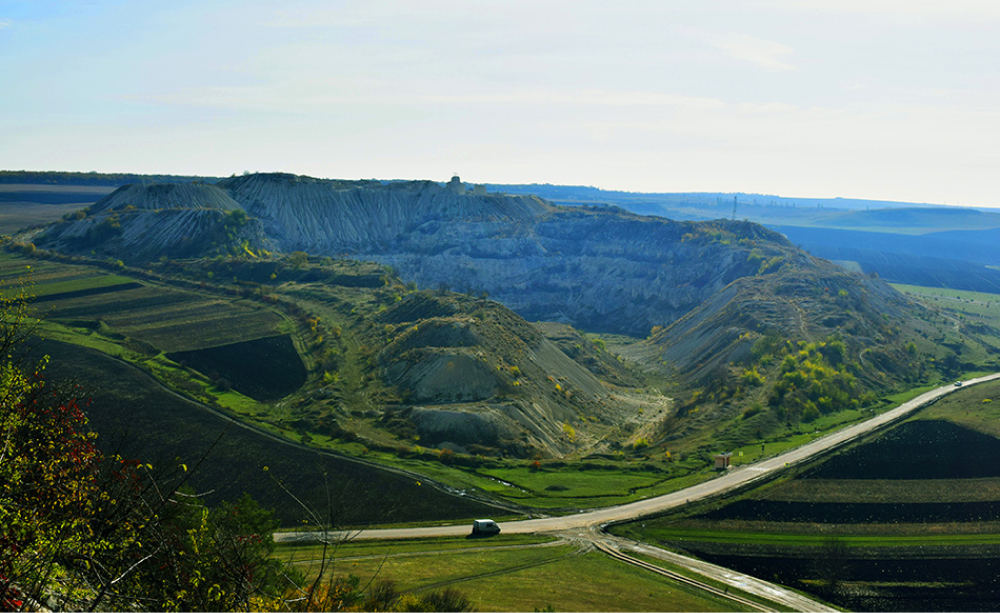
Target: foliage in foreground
(81, 530)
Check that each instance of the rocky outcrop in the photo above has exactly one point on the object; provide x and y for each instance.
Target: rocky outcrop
(160, 196)
(599, 269)
(603, 270)
(145, 222)
(481, 375)
(328, 217)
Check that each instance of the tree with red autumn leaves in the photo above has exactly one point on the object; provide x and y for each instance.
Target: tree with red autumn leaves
(83, 530)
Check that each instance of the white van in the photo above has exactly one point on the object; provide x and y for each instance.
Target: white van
(484, 527)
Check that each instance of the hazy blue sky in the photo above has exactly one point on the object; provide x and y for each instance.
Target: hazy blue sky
(887, 99)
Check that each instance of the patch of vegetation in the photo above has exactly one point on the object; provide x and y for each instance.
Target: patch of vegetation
(533, 579)
(813, 379)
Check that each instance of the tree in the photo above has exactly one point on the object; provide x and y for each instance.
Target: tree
(298, 259)
(83, 530)
(46, 461)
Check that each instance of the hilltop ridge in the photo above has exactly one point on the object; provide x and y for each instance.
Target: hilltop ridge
(596, 268)
(723, 305)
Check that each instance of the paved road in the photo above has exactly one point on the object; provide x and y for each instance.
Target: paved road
(734, 580)
(734, 478)
(586, 526)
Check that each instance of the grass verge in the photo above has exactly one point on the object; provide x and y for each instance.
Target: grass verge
(556, 578)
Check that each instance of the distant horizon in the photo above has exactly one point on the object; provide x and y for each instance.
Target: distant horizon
(498, 183)
(877, 100)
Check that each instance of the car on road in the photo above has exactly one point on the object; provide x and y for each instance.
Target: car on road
(484, 527)
(958, 384)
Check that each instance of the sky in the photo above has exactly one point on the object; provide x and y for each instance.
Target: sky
(879, 99)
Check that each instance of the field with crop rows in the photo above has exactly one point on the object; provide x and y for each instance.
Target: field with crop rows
(169, 319)
(905, 520)
(51, 278)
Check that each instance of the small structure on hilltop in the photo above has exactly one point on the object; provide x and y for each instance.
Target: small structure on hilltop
(456, 186)
(722, 460)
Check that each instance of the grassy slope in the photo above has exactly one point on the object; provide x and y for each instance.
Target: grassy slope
(742, 420)
(498, 578)
(136, 417)
(175, 314)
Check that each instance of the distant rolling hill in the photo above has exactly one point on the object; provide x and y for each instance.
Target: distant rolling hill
(955, 259)
(912, 220)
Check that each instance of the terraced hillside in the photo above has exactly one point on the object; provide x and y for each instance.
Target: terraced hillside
(342, 350)
(168, 319)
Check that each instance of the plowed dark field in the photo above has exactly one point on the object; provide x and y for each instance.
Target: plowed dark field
(135, 417)
(926, 480)
(265, 369)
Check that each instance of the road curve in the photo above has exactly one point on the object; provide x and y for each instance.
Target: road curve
(735, 478)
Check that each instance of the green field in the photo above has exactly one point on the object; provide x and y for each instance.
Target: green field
(977, 407)
(169, 319)
(506, 577)
(304, 552)
(585, 488)
(973, 303)
(977, 313)
(898, 527)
